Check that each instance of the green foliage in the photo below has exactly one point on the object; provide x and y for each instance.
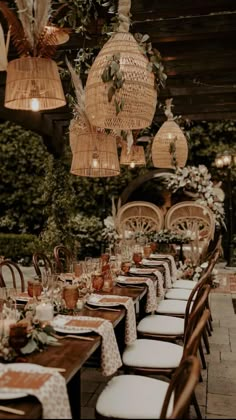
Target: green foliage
(86, 232)
(23, 161)
(154, 57)
(17, 246)
(78, 14)
(113, 75)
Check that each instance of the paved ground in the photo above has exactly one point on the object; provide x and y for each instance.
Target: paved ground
(217, 393)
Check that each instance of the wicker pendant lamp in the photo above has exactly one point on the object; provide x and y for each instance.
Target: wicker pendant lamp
(33, 81)
(94, 152)
(133, 156)
(169, 147)
(133, 105)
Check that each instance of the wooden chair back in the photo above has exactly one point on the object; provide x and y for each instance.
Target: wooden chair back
(196, 312)
(63, 258)
(199, 287)
(139, 216)
(191, 345)
(41, 261)
(182, 385)
(17, 276)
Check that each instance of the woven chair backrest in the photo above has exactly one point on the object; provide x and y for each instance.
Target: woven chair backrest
(139, 216)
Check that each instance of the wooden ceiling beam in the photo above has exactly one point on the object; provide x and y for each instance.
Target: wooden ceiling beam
(187, 28)
(168, 8)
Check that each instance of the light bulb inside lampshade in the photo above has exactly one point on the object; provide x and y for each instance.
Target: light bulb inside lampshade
(95, 160)
(34, 104)
(169, 136)
(132, 164)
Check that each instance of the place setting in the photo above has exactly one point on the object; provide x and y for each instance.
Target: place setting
(17, 380)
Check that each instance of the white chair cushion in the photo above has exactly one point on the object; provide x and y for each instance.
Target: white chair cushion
(184, 284)
(133, 397)
(161, 324)
(180, 294)
(172, 306)
(152, 354)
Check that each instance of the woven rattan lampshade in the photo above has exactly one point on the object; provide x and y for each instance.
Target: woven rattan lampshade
(161, 155)
(169, 147)
(138, 92)
(33, 81)
(94, 154)
(136, 156)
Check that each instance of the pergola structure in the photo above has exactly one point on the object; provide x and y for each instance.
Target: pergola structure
(197, 43)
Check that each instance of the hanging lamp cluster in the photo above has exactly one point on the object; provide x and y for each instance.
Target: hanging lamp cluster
(33, 81)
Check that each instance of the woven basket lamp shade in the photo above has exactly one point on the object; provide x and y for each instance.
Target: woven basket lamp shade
(33, 83)
(94, 154)
(138, 92)
(136, 156)
(161, 156)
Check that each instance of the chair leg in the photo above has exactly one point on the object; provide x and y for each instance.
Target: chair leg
(196, 406)
(206, 342)
(202, 356)
(208, 328)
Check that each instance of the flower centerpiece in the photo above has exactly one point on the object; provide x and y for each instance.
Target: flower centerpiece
(166, 236)
(109, 233)
(196, 183)
(187, 270)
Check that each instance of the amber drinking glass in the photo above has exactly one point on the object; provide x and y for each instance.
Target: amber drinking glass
(137, 258)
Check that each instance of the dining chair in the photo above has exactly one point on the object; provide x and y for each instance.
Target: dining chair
(16, 275)
(154, 357)
(63, 258)
(41, 261)
(141, 397)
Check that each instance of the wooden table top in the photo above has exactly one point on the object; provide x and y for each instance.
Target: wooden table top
(71, 354)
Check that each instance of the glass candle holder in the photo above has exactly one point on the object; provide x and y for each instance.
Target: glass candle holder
(18, 335)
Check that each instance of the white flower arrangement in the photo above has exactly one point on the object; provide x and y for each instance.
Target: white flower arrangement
(109, 232)
(187, 270)
(196, 181)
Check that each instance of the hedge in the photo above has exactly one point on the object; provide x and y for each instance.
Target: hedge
(18, 247)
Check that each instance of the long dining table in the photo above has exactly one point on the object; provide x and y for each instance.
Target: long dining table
(72, 354)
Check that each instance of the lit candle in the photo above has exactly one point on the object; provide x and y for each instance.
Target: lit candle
(44, 311)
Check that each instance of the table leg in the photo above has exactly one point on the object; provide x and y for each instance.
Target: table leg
(74, 392)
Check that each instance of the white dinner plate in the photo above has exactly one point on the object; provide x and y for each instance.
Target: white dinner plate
(59, 322)
(21, 367)
(95, 300)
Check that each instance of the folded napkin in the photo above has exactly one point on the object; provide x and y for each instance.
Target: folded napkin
(110, 355)
(171, 260)
(164, 264)
(130, 319)
(47, 386)
(151, 304)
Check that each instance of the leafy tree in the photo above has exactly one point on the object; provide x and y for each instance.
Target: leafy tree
(23, 161)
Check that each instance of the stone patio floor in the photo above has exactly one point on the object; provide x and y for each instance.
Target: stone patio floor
(217, 393)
